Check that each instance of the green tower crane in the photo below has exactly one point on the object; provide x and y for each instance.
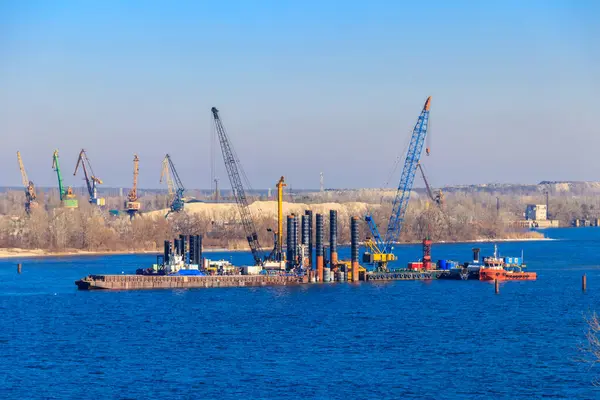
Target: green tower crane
(67, 198)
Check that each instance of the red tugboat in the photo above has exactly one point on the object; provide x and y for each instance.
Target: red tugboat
(504, 269)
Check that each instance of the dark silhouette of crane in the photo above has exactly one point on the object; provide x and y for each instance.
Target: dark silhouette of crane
(30, 196)
(175, 187)
(91, 180)
(233, 167)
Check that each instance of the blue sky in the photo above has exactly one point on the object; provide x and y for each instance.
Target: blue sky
(303, 87)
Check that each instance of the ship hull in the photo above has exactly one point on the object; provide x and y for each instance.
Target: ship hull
(492, 274)
(129, 282)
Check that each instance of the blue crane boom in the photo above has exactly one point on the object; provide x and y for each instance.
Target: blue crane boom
(174, 184)
(382, 246)
(413, 156)
(91, 180)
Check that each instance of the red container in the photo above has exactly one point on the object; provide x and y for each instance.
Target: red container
(415, 266)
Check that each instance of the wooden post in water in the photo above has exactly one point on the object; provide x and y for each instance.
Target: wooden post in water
(496, 286)
(583, 283)
(19, 268)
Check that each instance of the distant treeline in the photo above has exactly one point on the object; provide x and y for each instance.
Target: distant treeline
(462, 217)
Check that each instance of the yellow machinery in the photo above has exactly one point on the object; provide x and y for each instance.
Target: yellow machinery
(30, 196)
(348, 267)
(280, 185)
(132, 204)
(276, 259)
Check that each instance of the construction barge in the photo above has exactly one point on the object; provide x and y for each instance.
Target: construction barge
(185, 268)
(131, 282)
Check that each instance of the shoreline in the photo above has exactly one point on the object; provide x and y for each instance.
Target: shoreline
(14, 253)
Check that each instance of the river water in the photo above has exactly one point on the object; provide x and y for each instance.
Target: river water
(425, 340)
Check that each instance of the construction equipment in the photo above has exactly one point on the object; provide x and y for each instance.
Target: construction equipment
(132, 205)
(30, 196)
(91, 180)
(380, 253)
(278, 256)
(233, 166)
(67, 197)
(175, 187)
(438, 196)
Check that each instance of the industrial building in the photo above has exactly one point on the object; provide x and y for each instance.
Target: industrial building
(536, 216)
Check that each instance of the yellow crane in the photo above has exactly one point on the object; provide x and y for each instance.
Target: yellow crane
(132, 205)
(280, 186)
(276, 259)
(30, 196)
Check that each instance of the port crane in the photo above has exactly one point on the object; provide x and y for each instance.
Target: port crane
(175, 187)
(91, 180)
(67, 197)
(438, 197)
(233, 166)
(30, 196)
(132, 205)
(380, 248)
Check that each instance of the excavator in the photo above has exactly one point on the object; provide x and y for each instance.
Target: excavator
(132, 205)
(30, 196)
(67, 197)
(175, 187)
(90, 178)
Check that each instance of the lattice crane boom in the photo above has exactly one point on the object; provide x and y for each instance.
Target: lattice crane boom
(175, 186)
(231, 164)
(413, 155)
(24, 177)
(132, 195)
(56, 168)
(90, 178)
(165, 176)
(30, 196)
(381, 247)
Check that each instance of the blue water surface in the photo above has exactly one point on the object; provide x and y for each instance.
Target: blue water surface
(403, 340)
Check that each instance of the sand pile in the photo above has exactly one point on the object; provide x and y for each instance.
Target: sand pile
(268, 209)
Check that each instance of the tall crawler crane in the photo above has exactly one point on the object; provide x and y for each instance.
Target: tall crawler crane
(132, 205)
(67, 197)
(91, 180)
(233, 167)
(175, 187)
(380, 253)
(30, 196)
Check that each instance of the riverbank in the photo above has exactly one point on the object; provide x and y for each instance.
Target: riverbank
(11, 253)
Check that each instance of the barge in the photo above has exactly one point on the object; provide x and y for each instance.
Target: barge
(129, 282)
(181, 268)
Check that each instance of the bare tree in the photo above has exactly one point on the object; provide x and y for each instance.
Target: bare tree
(591, 350)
